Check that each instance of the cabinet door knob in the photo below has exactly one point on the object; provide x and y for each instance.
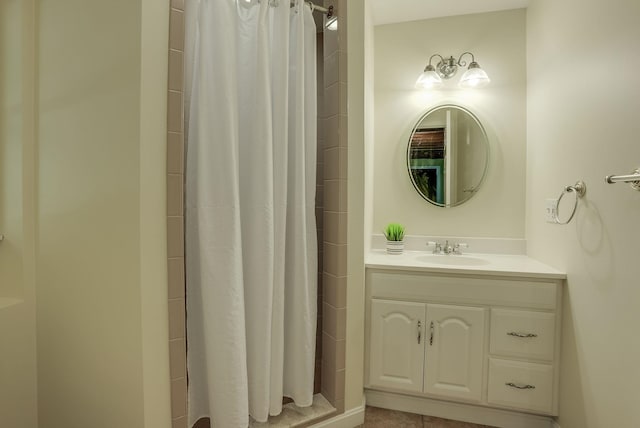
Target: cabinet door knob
(419, 331)
(516, 334)
(431, 334)
(513, 385)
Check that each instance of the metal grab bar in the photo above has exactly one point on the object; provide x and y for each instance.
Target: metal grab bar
(633, 179)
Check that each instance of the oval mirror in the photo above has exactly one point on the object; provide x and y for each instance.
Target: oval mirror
(448, 155)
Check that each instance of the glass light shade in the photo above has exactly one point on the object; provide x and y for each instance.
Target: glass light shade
(429, 79)
(474, 77)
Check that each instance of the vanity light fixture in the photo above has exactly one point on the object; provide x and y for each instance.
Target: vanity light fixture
(431, 77)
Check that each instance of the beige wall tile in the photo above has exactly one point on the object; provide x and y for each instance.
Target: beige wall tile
(332, 132)
(329, 351)
(342, 66)
(321, 123)
(178, 398)
(332, 163)
(335, 259)
(179, 423)
(177, 4)
(176, 278)
(331, 69)
(175, 237)
(341, 324)
(335, 227)
(330, 41)
(331, 195)
(176, 30)
(175, 153)
(341, 11)
(320, 194)
(332, 100)
(176, 319)
(342, 196)
(175, 195)
(339, 385)
(319, 220)
(341, 347)
(335, 290)
(329, 320)
(343, 130)
(343, 161)
(174, 112)
(328, 382)
(332, 264)
(176, 73)
(320, 173)
(330, 227)
(177, 358)
(342, 99)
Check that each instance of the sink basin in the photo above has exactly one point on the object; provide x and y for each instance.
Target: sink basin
(452, 260)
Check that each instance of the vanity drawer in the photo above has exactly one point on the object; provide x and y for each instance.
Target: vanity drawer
(524, 293)
(525, 334)
(522, 385)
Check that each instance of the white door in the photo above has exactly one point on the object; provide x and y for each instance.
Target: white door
(396, 350)
(453, 360)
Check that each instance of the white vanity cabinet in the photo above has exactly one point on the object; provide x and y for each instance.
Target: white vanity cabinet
(453, 357)
(484, 341)
(431, 348)
(397, 344)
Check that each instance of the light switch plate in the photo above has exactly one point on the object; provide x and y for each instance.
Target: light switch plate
(550, 210)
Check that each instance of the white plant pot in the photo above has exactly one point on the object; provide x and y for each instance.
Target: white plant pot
(395, 247)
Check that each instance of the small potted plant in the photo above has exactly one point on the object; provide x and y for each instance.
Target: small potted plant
(394, 233)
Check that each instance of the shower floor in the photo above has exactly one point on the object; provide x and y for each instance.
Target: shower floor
(294, 416)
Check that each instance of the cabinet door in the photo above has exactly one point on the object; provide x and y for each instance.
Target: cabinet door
(396, 352)
(454, 356)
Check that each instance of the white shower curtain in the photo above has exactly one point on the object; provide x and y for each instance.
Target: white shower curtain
(251, 250)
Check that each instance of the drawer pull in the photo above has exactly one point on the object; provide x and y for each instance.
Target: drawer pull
(516, 334)
(513, 385)
(419, 331)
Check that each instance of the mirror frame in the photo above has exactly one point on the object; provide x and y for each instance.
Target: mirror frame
(487, 148)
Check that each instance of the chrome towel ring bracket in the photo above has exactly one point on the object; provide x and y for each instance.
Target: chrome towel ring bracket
(579, 189)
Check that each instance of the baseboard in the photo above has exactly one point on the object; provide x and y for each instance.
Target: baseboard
(349, 419)
(457, 411)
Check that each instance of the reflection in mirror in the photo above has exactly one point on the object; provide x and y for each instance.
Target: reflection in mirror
(447, 155)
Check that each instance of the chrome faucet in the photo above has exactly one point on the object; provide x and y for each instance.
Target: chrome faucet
(439, 248)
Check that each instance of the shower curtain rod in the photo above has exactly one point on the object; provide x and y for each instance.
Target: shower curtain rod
(314, 7)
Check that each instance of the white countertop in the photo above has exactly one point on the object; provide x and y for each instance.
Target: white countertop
(468, 263)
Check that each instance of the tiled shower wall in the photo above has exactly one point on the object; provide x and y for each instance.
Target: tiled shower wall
(175, 217)
(330, 214)
(334, 123)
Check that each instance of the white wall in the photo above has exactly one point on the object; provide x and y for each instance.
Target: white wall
(583, 122)
(101, 263)
(401, 53)
(358, 23)
(18, 395)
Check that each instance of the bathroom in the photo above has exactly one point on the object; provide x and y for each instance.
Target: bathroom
(85, 269)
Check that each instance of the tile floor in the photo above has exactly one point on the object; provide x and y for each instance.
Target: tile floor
(383, 418)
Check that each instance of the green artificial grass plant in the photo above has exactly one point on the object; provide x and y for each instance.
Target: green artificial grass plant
(394, 232)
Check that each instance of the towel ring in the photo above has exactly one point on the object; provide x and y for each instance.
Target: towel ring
(579, 189)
